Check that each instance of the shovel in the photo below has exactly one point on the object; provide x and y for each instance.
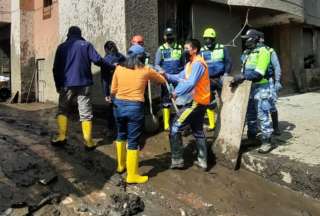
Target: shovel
(172, 100)
(151, 121)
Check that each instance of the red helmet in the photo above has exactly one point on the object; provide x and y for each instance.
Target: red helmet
(137, 39)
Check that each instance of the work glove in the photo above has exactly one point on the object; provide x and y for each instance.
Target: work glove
(237, 80)
(277, 86)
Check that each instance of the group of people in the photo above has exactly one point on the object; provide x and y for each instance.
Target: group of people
(190, 76)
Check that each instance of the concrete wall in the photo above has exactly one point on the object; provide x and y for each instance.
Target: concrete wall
(46, 38)
(295, 7)
(226, 24)
(291, 56)
(100, 20)
(15, 47)
(142, 18)
(5, 8)
(312, 12)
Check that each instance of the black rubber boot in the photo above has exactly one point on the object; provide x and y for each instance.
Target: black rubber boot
(177, 161)
(275, 123)
(251, 136)
(202, 159)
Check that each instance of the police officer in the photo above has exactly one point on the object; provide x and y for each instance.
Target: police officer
(275, 85)
(255, 63)
(169, 58)
(219, 63)
(194, 81)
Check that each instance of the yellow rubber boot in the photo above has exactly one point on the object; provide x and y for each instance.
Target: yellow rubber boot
(166, 118)
(60, 138)
(121, 155)
(211, 117)
(87, 134)
(133, 176)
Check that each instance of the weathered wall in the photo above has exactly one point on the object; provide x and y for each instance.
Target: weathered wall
(295, 7)
(227, 24)
(142, 18)
(46, 38)
(5, 8)
(312, 12)
(15, 47)
(291, 56)
(27, 57)
(100, 20)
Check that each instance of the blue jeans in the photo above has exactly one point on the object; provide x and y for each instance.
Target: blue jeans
(129, 117)
(165, 95)
(215, 86)
(193, 115)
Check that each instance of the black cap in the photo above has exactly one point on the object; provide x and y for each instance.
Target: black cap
(252, 33)
(169, 32)
(74, 31)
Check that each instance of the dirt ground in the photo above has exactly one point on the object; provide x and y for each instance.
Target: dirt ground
(38, 179)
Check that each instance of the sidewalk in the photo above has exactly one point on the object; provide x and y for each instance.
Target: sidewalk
(295, 163)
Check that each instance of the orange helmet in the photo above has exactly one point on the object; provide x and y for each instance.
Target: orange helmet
(137, 39)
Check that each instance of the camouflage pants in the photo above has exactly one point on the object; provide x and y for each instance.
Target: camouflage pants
(274, 96)
(259, 110)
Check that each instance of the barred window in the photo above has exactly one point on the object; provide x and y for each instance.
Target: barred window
(47, 3)
(47, 9)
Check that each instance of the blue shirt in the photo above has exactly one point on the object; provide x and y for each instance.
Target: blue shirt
(172, 67)
(185, 86)
(72, 63)
(219, 68)
(276, 66)
(106, 73)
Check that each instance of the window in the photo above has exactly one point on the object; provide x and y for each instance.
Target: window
(47, 9)
(47, 3)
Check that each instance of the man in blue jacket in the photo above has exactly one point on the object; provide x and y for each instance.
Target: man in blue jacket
(73, 78)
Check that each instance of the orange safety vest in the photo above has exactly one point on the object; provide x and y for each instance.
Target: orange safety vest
(201, 92)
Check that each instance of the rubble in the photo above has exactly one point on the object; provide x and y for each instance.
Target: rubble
(126, 204)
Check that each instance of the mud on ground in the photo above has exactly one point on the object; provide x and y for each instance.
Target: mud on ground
(38, 179)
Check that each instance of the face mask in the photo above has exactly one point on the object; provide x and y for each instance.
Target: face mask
(210, 43)
(186, 54)
(250, 43)
(170, 40)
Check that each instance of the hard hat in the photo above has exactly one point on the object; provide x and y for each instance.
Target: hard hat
(209, 33)
(169, 32)
(253, 33)
(137, 39)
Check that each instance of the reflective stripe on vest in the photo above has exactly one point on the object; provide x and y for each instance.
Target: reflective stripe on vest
(173, 53)
(201, 92)
(217, 54)
(251, 61)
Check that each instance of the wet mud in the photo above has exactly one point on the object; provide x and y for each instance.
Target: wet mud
(38, 179)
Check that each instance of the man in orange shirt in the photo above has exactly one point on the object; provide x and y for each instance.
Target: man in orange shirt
(193, 82)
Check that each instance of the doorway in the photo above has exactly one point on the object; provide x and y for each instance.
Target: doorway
(175, 14)
(5, 66)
